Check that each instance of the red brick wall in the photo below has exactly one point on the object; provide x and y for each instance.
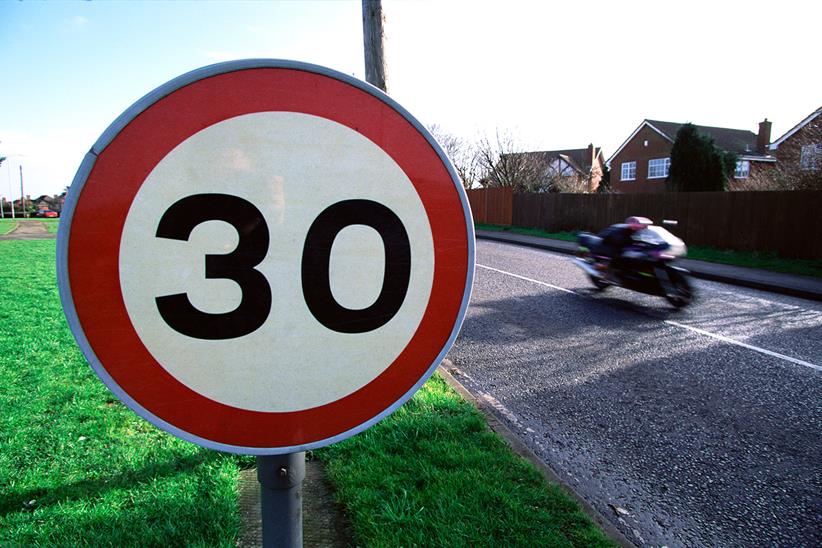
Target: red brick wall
(790, 150)
(636, 150)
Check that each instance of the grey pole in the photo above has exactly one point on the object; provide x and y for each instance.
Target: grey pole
(22, 196)
(281, 499)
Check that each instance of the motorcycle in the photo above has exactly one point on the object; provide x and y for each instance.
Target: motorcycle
(644, 263)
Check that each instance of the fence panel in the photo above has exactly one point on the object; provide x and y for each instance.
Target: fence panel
(492, 205)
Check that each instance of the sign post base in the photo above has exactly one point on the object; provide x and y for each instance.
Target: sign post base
(281, 509)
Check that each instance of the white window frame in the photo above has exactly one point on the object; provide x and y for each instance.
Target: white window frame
(743, 169)
(628, 171)
(810, 158)
(654, 166)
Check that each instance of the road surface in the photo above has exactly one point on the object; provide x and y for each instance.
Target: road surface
(700, 427)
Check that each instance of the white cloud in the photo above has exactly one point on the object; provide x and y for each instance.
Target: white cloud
(49, 160)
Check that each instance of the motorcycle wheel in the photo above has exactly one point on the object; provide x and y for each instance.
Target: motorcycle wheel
(599, 283)
(681, 294)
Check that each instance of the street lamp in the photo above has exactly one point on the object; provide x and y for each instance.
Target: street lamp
(22, 195)
(2, 199)
(11, 191)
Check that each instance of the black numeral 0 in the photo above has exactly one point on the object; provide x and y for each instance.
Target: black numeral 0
(181, 218)
(177, 223)
(317, 258)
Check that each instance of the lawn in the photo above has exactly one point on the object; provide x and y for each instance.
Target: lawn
(51, 224)
(7, 225)
(79, 468)
(76, 466)
(750, 259)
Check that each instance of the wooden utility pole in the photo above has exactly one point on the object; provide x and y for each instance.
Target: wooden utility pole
(373, 31)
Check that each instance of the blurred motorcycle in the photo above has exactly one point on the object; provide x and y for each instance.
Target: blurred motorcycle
(639, 256)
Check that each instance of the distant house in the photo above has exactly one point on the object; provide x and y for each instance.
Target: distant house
(53, 203)
(572, 170)
(642, 162)
(799, 151)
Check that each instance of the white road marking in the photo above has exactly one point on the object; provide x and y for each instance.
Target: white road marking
(745, 345)
(672, 323)
(552, 286)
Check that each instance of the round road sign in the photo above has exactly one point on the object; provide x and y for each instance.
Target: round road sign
(265, 256)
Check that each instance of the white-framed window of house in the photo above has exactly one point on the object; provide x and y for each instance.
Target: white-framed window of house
(743, 169)
(628, 171)
(810, 159)
(658, 168)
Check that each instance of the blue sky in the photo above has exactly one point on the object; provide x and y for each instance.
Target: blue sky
(555, 75)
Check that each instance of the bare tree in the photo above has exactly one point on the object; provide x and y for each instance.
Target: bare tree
(576, 183)
(462, 154)
(504, 163)
(779, 178)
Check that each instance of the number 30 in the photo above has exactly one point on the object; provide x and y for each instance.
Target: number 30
(183, 216)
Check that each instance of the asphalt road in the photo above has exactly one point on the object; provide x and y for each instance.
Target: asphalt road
(700, 427)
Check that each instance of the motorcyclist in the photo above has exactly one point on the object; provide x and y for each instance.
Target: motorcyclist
(617, 237)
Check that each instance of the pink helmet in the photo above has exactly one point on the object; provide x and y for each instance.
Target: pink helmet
(638, 223)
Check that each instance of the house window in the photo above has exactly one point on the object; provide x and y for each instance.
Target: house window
(743, 169)
(811, 157)
(658, 169)
(628, 171)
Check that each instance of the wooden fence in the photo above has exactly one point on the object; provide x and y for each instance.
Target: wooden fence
(789, 223)
(492, 206)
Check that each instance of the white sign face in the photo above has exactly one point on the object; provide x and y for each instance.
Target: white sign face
(292, 167)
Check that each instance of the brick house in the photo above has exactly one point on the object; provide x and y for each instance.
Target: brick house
(642, 162)
(571, 170)
(46, 202)
(799, 151)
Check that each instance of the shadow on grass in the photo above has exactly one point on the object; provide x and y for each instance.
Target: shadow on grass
(89, 488)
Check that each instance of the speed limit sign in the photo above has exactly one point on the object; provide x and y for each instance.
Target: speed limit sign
(265, 256)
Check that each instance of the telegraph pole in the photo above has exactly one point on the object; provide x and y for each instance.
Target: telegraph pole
(373, 30)
(22, 196)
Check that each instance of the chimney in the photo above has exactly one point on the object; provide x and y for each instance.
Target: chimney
(763, 139)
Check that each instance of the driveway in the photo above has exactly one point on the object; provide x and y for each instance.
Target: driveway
(29, 229)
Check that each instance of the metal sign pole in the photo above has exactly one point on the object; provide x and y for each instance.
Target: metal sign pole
(281, 510)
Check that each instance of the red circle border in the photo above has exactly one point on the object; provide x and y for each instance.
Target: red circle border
(119, 171)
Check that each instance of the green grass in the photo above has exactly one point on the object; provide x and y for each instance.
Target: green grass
(751, 259)
(433, 474)
(7, 225)
(566, 236)
(51, 224)
(76, 466)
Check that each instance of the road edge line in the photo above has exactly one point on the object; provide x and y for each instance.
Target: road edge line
(516, 445)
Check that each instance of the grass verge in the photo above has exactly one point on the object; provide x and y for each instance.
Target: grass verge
(7, 225)
(76, 466)
(750, 259)
(51, 224)
(433, 474)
